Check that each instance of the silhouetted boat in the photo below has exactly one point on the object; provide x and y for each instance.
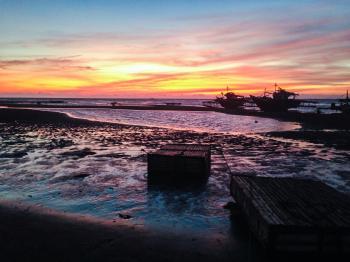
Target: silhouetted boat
(344, 104)
(230, 100)
(278, 101)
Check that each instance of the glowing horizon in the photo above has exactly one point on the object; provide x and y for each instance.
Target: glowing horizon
(182, 49)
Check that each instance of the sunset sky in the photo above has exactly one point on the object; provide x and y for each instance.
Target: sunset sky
(182, 49)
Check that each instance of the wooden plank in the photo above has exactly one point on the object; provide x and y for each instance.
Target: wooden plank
(186, 147)
(294, 214)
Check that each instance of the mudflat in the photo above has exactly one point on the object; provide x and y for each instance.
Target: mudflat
(48, 158)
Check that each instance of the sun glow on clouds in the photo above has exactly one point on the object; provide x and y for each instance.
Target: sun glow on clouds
(307, 51)
(136, 68)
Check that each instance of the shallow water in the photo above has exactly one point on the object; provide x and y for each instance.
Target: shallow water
(101, 172)
(212, 122)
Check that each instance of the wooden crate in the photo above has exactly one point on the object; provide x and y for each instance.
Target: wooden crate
(294, 215)
(179, 163)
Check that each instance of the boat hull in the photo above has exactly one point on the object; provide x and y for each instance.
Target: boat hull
(231, 104)
(268, 104)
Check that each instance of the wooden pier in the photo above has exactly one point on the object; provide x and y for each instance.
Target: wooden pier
(294, 215)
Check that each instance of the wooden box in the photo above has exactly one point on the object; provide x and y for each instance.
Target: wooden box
(179, 163)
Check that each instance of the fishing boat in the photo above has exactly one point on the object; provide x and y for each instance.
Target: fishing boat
(230, 100)
(278, 101)
(344, 104)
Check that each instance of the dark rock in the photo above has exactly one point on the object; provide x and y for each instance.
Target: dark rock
(60, 143)
(79, 153)
(70, 177)
(124, 216)
(17, 154)
(114, 155)
(80, 175)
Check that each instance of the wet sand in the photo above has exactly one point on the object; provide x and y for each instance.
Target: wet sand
(28, 231)
(336, 139)
(8, 115)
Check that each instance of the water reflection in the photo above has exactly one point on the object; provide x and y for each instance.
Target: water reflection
(182, 209)
(184, 120)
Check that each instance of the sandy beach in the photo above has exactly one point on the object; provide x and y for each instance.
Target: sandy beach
(35, 234)
(41, 220)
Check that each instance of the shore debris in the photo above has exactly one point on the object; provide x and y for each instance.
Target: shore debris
(124, 216)
(80, 153)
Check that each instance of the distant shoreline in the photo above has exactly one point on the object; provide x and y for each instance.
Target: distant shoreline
(8, 115)
(147, 98)
(307, 120)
